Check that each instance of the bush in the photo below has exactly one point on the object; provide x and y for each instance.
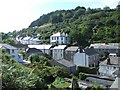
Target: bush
(82, 76)
(89, 70)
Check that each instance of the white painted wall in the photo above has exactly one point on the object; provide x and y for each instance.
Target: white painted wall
(80, 59)
(46, 51)
(15, 54)
(61, 39)
(107, 70)
(58, 54)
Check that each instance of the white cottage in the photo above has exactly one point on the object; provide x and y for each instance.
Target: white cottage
(13, 51)
(87, 57)
(58, 52)
(59, 38)
(110, 66)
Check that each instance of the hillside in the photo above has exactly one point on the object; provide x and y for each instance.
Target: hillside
(84, 26)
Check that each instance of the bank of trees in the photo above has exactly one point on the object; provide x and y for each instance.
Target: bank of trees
(84, 25)
(34, 75)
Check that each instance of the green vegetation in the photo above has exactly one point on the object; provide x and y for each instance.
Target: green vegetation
(38, 74)
(88, 70)
(61, 83)
(82, 76)
(84, 25)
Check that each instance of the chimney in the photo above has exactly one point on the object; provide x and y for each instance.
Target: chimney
(108, 61)
(80, 50)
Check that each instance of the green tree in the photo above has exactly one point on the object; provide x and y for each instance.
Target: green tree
(33, 58)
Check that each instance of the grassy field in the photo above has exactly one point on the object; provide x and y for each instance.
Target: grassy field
(61, 83)
(46, 25)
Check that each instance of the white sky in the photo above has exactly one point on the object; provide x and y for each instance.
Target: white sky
(18, 14)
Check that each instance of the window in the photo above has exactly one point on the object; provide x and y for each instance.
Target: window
(57, 38)
(61, 38)
(52, 38)
(114, 67)
(66, 38)
(12, 51)
(61, 55)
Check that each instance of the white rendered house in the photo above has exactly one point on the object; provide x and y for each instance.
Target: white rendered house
(59, 38)
(13, 51)
(58, 52)
(108, 68)
(87, 57)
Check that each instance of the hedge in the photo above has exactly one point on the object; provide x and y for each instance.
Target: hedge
(88, 70)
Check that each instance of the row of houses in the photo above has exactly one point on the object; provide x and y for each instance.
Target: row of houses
(70, 57)
(102, 48)
(56, 38)
(79, 57)
(73, 54)
(23, 39)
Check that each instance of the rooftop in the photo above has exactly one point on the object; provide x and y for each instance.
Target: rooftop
(66, 63)
(106, 46)
(115, 84)
(59, 34)
(20, 46)
(72, 48)
(60, 47)
(90, 51)
(33, 50)
(113, 61)
(7, 46)
(40, 46)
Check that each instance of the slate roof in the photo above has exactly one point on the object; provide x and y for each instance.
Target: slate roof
(113, 60)
(115, 84)
(33, 50)
(106, 46)
(60, 47)
(7, 46)
(58, 34)
(65, 63)
(90, 51)
(21, 45)
(40, 46)
(72, 48)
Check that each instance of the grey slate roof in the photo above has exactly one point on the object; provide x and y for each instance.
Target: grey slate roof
(20, 46)
(90, 51)
(65, 63)
(72, 48)
(106, 46)
(116, 85)
(33, 50)
(113, 60)
(7, 46)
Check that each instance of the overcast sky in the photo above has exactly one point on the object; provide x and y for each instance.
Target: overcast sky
(18, 14)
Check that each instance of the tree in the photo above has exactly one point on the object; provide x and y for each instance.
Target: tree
(106, 8)
(82, 76)
(34, 58)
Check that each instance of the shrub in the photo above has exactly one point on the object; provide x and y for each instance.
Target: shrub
(82, 76)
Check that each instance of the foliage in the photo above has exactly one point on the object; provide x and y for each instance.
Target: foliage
(89, 70)
(84, 26)
(82, 76)
(18, 76)
(96, 87)
(60, 83)
(33, 58)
